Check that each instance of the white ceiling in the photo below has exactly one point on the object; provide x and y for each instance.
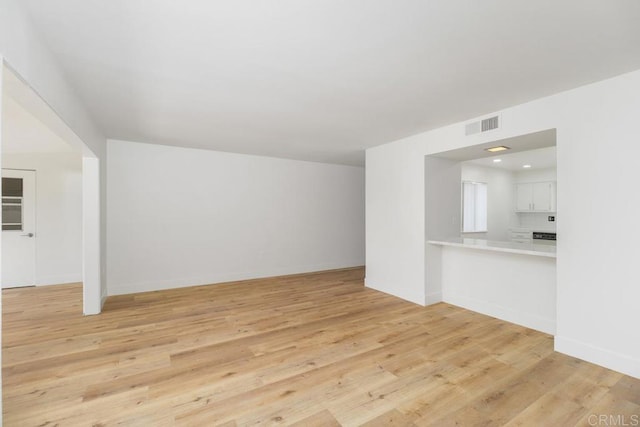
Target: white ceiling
(516, 144)
(322, 80)
(542, 158)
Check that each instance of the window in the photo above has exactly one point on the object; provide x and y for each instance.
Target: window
(11, 204)
(474, 207)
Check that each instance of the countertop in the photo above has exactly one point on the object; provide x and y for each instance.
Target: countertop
(509, 247)
(546, 229)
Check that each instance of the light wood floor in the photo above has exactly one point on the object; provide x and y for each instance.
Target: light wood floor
(311, 350)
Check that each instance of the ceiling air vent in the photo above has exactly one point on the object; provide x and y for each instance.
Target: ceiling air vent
(484, 125)
(490, 123)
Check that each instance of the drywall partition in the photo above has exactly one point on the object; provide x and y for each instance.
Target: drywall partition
(597, 150)
(27, 55)
(93, 292)
(180, 217)
(442, 189)
(598, 279)
(58, 213)
(395, 225)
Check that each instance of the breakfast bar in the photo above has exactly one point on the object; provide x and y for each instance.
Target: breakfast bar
(512, 281)
(499, 246)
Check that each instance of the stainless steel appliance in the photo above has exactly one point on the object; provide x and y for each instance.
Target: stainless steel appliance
(544, 238)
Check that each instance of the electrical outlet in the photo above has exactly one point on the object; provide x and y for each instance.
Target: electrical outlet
(551, 218)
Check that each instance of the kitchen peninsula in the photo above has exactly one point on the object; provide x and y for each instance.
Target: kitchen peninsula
(508, 280)
(490, 246)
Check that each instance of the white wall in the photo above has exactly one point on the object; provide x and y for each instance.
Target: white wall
(395, 226)
(597, 150)
(181, 217)
(58, 213)
(500, 199)
(445, 191)
(536, 175)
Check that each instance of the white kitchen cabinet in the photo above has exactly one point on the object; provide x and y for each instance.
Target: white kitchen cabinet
(536, 197)
(524, 197)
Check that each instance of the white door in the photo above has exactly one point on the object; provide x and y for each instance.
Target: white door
(18, 228)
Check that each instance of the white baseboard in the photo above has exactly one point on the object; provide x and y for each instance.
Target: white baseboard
(58, 280)
(386, 291)
(609, 359)
(159, 285)
(433, 298)
(528, 320)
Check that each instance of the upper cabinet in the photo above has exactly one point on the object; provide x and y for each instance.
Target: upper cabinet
(536, 197)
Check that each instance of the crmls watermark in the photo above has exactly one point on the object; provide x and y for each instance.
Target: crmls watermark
(614, 420)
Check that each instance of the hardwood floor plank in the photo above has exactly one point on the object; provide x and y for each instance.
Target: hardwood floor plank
(612, 410)
(390, 418)
(627, 388)
(312, 349)
(549, 409)
(319, 419)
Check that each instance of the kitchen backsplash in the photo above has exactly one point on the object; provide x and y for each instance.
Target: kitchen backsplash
(539, 220)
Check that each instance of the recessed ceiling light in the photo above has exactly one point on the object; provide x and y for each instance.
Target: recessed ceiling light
(497, 160)
(498, 148)
(526, 166)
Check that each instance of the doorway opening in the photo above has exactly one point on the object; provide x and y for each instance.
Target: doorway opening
(510, 205)
(50, 210)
